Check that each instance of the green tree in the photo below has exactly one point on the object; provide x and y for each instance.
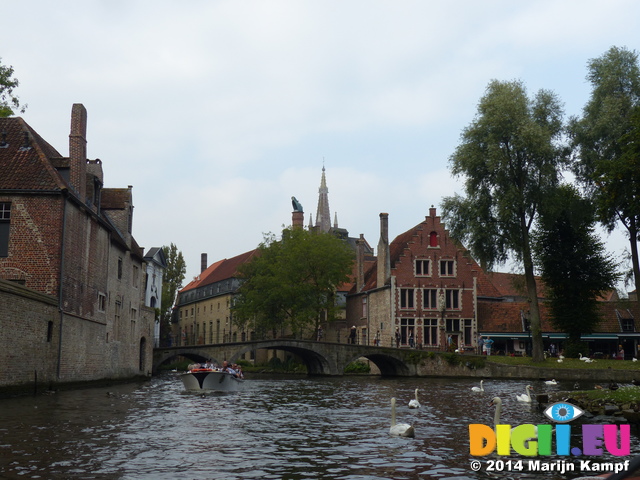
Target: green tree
(8, 101)
(606, 138)
(171, 283)
(510, 156)
(291, 282)
(573, 262)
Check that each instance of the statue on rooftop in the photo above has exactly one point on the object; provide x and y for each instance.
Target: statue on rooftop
(297, 206)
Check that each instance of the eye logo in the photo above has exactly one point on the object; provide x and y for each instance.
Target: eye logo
(563, 412)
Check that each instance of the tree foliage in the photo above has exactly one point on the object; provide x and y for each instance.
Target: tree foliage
(607, 138)
(574, 266)
(8, 101)
(291, 282)
(510, 156)
(171, 283)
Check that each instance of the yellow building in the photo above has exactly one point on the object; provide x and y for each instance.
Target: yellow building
(202, 314)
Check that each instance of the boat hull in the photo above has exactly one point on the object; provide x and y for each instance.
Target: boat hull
(217, 381)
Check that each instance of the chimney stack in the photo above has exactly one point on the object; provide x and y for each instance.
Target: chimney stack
(360, 263)
(78, 150)
(203, 262)
(384, 255)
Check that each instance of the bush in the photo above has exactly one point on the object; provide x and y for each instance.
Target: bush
(357, 367)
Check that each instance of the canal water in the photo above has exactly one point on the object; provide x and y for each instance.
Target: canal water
(290, 428)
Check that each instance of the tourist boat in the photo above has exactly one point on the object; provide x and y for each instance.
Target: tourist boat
(202, 379)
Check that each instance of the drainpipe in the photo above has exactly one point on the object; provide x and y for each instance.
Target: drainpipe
(60, 280)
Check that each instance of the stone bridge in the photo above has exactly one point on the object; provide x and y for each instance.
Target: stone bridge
(321, 358)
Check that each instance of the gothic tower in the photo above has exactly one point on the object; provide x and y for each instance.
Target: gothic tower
(323, 214)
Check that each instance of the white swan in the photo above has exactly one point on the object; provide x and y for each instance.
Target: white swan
(551, 382)
(400, 429)
(414, 403)
(478, 389)
(560, 360)
(497, 401)
(584, 359)
(525, 397)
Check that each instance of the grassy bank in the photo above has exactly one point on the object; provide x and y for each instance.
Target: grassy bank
(568, 363)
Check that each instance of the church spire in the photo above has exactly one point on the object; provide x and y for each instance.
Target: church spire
(323, 214)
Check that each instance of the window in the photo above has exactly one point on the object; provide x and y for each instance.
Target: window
(430, 298)
(5, 217)
(49, 331)
(119, 268)
(447, 268)
(433, 239)
(135, 275)
(407, 326)
(467, 331)
(364, 307)
(628, 325)
(422, 268)
(102, 302)
(430, 336)
(406, 298)
(453, 324)
(452, 299)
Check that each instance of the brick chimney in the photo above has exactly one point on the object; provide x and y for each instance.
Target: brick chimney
(360, 263)
(78, 150)
(384, 256)
(297, 219)
(203, 262)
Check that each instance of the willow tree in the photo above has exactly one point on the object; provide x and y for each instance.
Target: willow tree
(291, 283)
(607, 137)
(510, 156)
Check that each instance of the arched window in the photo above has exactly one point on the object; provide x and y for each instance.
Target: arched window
(433, 239)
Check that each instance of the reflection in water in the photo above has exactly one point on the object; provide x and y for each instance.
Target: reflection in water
(277, 428)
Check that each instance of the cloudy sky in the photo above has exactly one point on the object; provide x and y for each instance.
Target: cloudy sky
(217, 112)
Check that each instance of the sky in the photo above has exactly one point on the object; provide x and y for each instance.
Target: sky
(218, 112)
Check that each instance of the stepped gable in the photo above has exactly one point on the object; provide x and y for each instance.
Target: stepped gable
(26, 163)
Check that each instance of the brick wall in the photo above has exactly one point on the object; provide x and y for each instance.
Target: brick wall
(29, 328)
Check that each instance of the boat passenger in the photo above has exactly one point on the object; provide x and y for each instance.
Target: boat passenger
(238, 370)
(227, 368)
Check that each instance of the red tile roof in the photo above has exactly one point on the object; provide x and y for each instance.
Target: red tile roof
(220, 270)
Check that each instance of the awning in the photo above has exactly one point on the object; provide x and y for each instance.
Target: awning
(562, 336)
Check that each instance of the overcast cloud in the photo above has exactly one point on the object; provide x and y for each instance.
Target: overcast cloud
(217, 112)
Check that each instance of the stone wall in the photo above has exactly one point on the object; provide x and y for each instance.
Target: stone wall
(29, 332)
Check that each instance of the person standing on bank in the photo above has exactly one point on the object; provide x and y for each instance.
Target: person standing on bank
(480, 345)
(488, 343)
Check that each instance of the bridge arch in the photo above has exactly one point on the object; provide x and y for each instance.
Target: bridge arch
(320, 358)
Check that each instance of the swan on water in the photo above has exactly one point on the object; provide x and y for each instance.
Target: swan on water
(478, 389)
(399, 429)
(551, 382)
(525, 397)
(497, 401)
(414, 403)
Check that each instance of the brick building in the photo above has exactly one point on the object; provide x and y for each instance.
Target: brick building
(423, 285)
(426, 285)
(67, 241)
